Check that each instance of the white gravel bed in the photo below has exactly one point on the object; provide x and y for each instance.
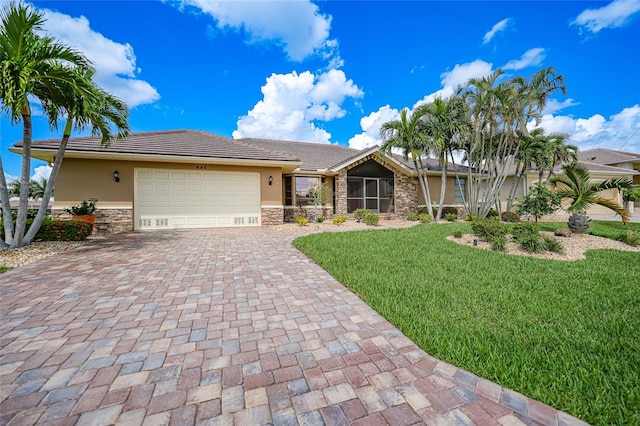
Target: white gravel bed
(38, 250)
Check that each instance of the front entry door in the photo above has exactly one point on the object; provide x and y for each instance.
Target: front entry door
(371, 195)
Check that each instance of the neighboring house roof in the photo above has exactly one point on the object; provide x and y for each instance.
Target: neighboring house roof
(432, 164)
(607, 156)
(602, 168)
(174, 143)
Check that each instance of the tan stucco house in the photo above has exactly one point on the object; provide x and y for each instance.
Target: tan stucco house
(193, 179)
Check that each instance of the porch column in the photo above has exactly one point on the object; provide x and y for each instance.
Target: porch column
(341, 193)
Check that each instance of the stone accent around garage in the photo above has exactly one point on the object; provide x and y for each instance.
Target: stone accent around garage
(341, 192)
(272, 215)
(107, 221)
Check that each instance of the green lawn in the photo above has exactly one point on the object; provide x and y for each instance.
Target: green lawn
(565, 333)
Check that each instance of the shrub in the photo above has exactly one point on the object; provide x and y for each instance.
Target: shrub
(532, 244)
(552, 245)
(457, 234)
(630, 237)
(412, 216)
(525, 230)
(63, 230)
(510, 217)
(499, 244)
(493, 213)
(340, 220)
(424, 210)
(488, 229)
(359, 214)
(424, 218)
(371, 219)
(31, 213)
(445, 211)
(451, 217)
(470, 217)
(320, 219)
(85, 207)
(301, 220)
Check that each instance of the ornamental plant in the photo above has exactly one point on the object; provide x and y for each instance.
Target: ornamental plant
(85, 207)
(371, 219)
(539, 201)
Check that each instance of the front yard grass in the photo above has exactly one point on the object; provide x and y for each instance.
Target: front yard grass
(564, 333)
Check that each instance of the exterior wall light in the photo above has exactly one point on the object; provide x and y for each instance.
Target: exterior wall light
(116, 176)
(270, 180)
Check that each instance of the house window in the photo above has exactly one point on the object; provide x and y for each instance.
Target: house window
(303, 185)
(371, 193)
(288, 194)
(460, 190)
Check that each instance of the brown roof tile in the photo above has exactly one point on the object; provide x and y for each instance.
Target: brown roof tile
(180, 143)
(607, 156)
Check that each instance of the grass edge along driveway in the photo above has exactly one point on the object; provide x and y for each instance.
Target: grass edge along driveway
(564, 333)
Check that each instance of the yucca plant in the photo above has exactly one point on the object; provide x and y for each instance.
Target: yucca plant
(575, 184)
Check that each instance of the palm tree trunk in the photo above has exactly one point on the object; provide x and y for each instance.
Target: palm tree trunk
(21, 221)
(42, 211)
(517, 178)
(424, 184)
(7, 218)
(443, 186)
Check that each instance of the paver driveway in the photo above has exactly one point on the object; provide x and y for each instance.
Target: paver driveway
(220, 327)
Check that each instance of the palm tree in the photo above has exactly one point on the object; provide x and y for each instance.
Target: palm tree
(37, 188)
(444, 122)
(407, 134)
(575, 184)
(31, 66)
(85, 105)
(560, 152)
(14, 188)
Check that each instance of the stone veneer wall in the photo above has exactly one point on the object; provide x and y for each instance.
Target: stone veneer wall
(406, 193)
(341, 192)
(272, 215)
(290, 213)
(107, 221)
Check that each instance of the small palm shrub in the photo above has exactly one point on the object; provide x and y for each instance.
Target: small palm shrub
(424, 218)
(412, 216)
(451, 217)
(630, 237)
(301, 220)
(470, 217)
(552, 245)
(499, 243)
(359, 214)
(525, 230)
(488, 229)
(371, 219)
(510, 217)
(339, 220)
(532, 244)
(493, 213)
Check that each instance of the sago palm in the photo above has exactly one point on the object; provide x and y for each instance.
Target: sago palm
(576, 185)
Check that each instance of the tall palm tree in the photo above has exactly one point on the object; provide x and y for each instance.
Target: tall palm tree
(576, 185)
(407, 134)
(37, 188)
(559, 152)
(85, 105)
(31, 66)
(444, 122)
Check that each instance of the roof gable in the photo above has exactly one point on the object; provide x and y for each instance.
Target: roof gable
(607, 156)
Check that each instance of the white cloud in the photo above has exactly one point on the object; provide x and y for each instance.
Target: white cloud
(458, 76)
(554, 106)
(614, 15)
(500, 26)
(531, 58)
(371, 125)
(10, 178)
(620, 131)
(41, 172)
(293, 102)
(115, 62)
(297, 26)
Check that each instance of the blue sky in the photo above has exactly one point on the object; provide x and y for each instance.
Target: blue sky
(334, 71)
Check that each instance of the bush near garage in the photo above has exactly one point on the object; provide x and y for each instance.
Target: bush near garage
(59, 230)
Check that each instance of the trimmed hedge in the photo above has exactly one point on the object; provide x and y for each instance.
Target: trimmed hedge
(59, 230)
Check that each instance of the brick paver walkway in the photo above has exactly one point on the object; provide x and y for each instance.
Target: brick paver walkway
(227, 326)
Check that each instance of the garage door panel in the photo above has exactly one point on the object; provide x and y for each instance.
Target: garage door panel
(166, 199)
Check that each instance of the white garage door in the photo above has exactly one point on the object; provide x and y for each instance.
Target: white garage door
(171, 199)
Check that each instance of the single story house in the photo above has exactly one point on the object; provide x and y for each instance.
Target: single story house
(193, 179)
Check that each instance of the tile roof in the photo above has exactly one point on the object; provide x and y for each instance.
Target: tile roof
(607, 156)
(431, 163)
(180, 143)
(314, 156)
